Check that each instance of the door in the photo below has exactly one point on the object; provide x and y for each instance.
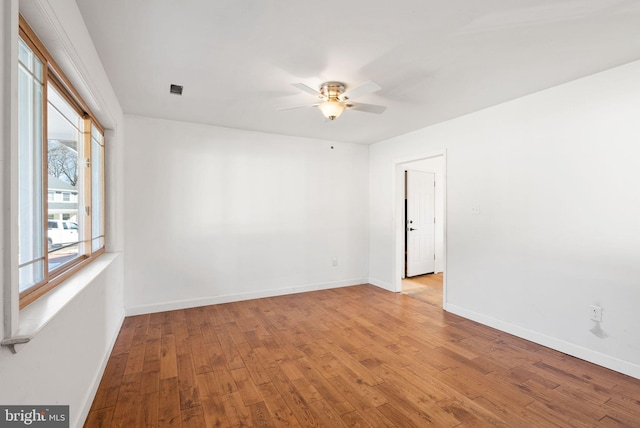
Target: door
(420, 222)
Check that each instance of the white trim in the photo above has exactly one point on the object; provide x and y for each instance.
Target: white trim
(583, 353)
(227, 298)
(8, 163)
(398, 219)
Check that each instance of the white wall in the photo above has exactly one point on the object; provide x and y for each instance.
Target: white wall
(63, 363)
(216, 214)
(555, 176)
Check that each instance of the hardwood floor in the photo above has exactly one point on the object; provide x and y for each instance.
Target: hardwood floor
(355, 356)
(427, 288)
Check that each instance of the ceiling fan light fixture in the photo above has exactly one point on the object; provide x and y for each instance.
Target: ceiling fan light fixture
(334, 98)
(331, 109)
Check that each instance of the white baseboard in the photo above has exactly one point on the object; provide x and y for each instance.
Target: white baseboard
(382, 284)
(616, 364)
(91, 395)
(227, 298)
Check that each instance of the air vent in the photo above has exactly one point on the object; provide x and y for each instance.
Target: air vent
(175, 89)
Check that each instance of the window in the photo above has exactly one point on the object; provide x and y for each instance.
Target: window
(60, 174)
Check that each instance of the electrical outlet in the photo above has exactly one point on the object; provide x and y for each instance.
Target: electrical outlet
(596, 313)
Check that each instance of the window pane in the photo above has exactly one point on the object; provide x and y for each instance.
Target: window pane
(58, 191)
(64, 133)
(24, 54)
(30, 194)
(97, 221)
(29, 61)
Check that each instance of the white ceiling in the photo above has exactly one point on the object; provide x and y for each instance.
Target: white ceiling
(434, 59)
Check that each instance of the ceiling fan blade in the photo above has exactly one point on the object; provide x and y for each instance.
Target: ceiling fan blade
(292, 107)
(307, 89)
(368, 108)
(365, 88)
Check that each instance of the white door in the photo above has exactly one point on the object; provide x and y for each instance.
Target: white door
(420, 222)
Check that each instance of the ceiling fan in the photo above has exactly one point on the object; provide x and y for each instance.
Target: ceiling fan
(335, 98)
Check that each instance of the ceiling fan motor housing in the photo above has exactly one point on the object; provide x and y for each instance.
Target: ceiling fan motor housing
(332, 90)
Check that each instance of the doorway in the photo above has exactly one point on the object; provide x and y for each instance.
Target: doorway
(419, 215)
(429, 285)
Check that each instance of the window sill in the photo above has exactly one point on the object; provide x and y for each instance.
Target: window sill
(38, 314)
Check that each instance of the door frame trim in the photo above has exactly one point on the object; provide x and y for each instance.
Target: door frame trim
(398, 217)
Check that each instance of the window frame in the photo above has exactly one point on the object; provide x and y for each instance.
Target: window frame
(53, 75)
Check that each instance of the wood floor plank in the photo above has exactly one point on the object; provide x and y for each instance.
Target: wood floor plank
(518, 417)
(193, 417)
(363, 397)
(260, 416)
(188, 389)
(107, 393)
(353, 356)
(200, 353)
(414, 405)
(168, 357)
(222, 381)
(350, 367)
(323, 386)
(432, 388)
(401, 419)
(293, 399)
(327, 414)
(129, 400)
(214, 413)
(554, 417)
(252, 339)
(280, 412)
(253, 363)
(472, 414)
(169, 414)
(125, 337)
(147, 411)
(106, 397)
(558, 401)
(625, 399)
(149, 382)
(246, 386)
(521, 375)
(99, 418)
(135, 360)
(152, 350)
(231, 354)
(621, 418)
(115, 370)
